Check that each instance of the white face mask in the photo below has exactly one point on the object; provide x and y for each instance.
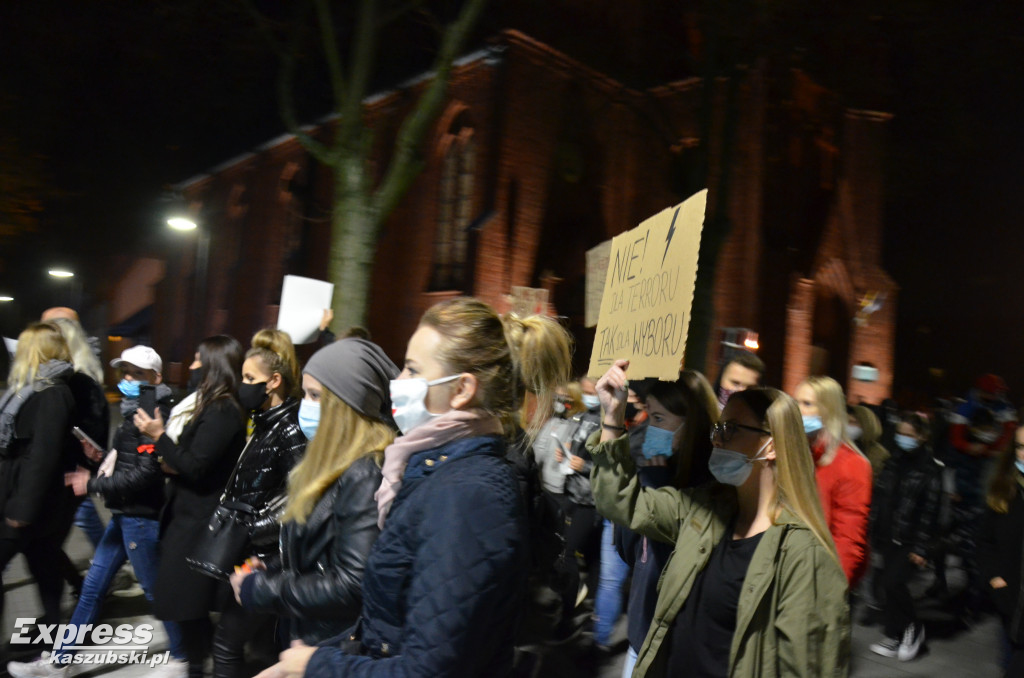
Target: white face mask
(408, 405)
(591, 401)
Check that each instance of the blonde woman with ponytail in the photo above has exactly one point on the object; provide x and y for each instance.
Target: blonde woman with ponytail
(330, 518)
(753, 587)
(267, 392)
(445, 582)
(842, 473)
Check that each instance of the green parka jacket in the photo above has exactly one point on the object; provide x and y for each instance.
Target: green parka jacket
(792, 619)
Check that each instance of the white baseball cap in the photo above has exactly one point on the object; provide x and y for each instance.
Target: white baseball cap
(140, 356)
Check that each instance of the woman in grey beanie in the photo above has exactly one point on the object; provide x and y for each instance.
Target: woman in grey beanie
(330, 520)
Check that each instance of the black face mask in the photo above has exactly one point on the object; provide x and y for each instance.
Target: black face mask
(194, 379)
(252, 396)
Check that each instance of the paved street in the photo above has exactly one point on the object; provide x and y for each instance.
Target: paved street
(951, 650)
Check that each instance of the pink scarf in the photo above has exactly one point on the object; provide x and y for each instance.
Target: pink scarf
(450, 426)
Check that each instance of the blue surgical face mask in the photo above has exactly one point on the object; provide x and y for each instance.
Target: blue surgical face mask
(733, 468)
(1020, 465)
(591, 402)
(309, 417)
(812, 423)
(657, 442)
(905, 443)
(129, 388)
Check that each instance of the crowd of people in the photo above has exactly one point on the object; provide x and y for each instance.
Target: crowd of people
(469, 511)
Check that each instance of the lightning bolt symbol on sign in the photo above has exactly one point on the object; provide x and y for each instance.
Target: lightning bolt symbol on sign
(668, 236)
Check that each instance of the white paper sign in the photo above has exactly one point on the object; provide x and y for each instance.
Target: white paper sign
(11, 344)
(303, 301)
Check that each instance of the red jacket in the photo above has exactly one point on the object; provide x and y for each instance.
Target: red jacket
(845, 489)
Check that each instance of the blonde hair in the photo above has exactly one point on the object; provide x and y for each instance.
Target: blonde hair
(576, 393)
(831, 401)
(83, 358)
(509, 356)
(795, 486)
(343, 437)
(276, 351)
(38, 343)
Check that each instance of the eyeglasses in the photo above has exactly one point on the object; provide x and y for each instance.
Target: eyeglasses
(727, 429)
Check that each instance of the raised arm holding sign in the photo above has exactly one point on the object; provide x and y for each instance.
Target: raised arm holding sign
(645, 308)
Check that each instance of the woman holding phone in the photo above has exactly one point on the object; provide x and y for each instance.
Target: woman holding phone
(198, 467)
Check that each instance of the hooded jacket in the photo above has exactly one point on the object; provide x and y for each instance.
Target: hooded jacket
(792, 616)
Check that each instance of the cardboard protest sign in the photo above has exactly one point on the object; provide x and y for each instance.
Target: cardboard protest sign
(527, 301)
(645, 308)
(597, 270)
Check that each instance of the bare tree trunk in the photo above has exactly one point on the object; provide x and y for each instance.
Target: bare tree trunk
(354, 226)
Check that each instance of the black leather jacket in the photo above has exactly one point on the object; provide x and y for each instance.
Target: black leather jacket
(319, 584)
(261, 476)
(136, 487)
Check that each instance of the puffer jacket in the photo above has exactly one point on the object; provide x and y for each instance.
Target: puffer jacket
(260, 478)
(444, 584)
(792, 616)
(905, 503)
(136, 488)
(318, 587)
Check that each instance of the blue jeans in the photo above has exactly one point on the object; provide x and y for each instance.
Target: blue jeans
(608, 599)
(126, 538)
(88, 520)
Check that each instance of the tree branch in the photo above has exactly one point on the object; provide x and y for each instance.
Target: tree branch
(398, 12)
(329, 42)
(284, 95)
(361, 63)
(263, 25)
(407, 160)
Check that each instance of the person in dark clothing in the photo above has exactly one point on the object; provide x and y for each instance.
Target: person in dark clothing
(270, 382)
(688, 409)
(36, 449)
(444, 584)
(1000, 549)
(93, 418)
(198, 467)
(331, 520)
(133, 490)
(904, 514)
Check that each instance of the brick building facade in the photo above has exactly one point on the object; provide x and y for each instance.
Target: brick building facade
(537, 158)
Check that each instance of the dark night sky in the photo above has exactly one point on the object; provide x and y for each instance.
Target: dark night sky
(117, 99)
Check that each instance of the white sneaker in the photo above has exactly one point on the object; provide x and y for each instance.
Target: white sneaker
(40, 668)
(889, 647)
(175, 668)
(910, 645)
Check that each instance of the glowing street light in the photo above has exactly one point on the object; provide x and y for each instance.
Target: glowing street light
(61, 273)
(6, 298)
(181, 224)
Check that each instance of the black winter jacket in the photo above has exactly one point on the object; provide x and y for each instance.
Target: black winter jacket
(318, 587)
(577, 485)
(261, 477)
(136, 487)
(905, 502)
(92, 412)
(1001, 554)
(444, 583)
(32, 488)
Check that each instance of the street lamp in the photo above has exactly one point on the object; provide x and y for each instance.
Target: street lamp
(182, 224)
(6, 298)
(61, 273)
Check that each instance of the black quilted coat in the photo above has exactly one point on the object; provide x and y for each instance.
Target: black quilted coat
(444, 585)
(261, 477)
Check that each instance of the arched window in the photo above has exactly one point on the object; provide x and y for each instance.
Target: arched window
(454, 208)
